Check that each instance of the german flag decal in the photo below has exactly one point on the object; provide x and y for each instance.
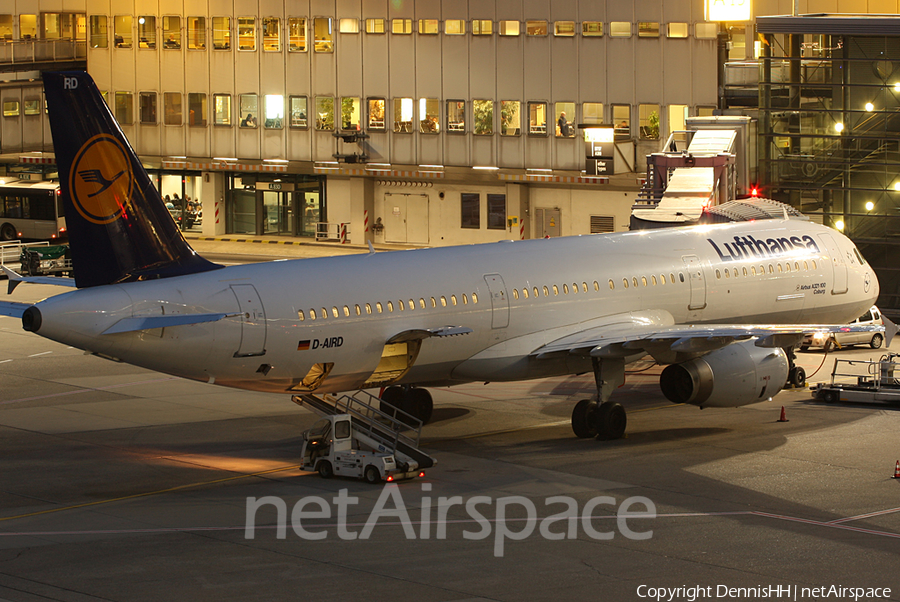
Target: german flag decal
(303, 346)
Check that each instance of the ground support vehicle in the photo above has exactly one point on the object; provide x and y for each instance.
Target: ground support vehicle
(843, 338)
(357, 438)
(52, 260)
(862, 381)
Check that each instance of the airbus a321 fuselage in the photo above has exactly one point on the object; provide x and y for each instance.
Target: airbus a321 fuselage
(719, 303)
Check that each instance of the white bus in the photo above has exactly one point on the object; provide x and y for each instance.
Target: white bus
(31, 210)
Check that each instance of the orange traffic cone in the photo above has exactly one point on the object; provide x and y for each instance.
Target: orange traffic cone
(783, 418)
(897, 470)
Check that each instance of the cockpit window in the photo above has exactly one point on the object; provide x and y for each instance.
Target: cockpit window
(859, 256)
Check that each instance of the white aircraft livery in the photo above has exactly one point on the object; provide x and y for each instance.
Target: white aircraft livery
(722, 305)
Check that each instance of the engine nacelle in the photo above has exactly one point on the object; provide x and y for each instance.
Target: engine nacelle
(735, 375)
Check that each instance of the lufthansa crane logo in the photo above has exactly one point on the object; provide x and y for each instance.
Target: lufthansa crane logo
(101, 179)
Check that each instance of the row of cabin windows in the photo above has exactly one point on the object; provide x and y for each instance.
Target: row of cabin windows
(388, 307)
(779, 267)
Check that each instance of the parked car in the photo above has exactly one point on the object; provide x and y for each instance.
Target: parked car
(830, 340)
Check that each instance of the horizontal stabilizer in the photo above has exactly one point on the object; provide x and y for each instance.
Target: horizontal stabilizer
(13, 309)
(16, 279)
(150, 322)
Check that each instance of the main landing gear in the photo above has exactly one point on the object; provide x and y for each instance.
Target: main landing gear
(411, 400)
(603, 419)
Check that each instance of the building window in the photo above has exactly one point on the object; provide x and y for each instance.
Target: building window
(222, 109)
(197, 109)
(6, 27)
(621, 117)
(510, 118)
(274, 118)
(147, 32)
(249, 111)
(28, 27)
(677, 30)
(706, 31)
(429, 27)
(454, 27)
(648, 29)
(246, 33)
(706, 111)
(221, 27)
(620, 29)
(482, 27)
(375, 114)
(172, 32)
(592, 112)
(483, 115)
(509, 28)
(323, 36)
(299, 118)
(122, 33)
(564, 28)
(350, 113)
(99, 36)
(10, 108)
(677, 120)
(429, 115)
(196, 33)
(271, 35)
(649, 121)
(374, 25)
(324, 113)
(537, 118)
(32, 106)
(470, 206)
(172, 107)
(565, 119)
(403, 115)
(349, 25)
(401, 26)
(456, 116)
(148, 108)
(296, 34)
(496, 206)
(124, 108)
(592, 28)
(536, 28)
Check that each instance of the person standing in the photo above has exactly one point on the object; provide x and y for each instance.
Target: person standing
(563, 125)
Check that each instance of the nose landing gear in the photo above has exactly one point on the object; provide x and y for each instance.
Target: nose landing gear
(410, 400)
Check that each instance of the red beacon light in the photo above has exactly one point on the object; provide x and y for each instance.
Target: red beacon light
(754, 192)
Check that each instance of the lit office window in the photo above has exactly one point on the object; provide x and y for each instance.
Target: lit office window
(496, 206)
(271, 34)
(537, 118)
(706, 31)
(28, 27)
(510, 118)
(148, 108)
(246, 33)
(221, 27)
(470, 212)
(122, 33)
(454, 27)
(648, 29)
(565, 119)
(376, 114)
(564, 28)
(323, 36)
(374, 25)
(429, 115)
(349, 25)
(32, 106)
(621, 118)
(677, 30)
(124, 108)
(456, 116)
(197, 109)
(536, 28)
(592, 28)
(249, 111)
(649, 121)
(99, 36)
(706, 111)
(592, 112)
(147, 32)
(172, 108)
(401, 26)
(6, 27)
(172, 32)
(350, 112)
(620, 29)
(429, 27)
(10, 108)
(299, 118)
(509, 28)
(482, 27)
(222, 109)
(403, 115)
(297, 34)
(324, 113)
(196, 27)
(483, 115)
(274, 112)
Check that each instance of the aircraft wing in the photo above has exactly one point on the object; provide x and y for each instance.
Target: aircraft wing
(15, 279)
(13, 309)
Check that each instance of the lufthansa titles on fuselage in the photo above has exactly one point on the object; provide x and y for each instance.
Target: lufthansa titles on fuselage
(748, 247)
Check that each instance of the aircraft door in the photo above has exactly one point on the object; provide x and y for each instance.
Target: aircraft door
(253, 321)
(697, 283)
(838, 265)
(499, 301)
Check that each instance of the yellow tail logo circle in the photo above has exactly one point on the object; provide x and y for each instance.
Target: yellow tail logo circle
(101, 180)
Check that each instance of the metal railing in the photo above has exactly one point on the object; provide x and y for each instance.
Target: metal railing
(41, 51)
(12, 251)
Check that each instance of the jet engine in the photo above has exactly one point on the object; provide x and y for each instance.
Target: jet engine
(735, 375)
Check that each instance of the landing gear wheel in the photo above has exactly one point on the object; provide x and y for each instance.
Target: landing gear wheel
(419, 404)
(610, 420)
(797, 376)
(7, 232)
(392, 396)
(372, 475)
(877, 340)
(581, 423)
(325, 469)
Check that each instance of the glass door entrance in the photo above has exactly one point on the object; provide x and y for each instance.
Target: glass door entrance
(278, 212)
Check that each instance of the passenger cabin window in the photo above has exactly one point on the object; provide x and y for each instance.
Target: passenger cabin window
(374, 25)
(454, 27)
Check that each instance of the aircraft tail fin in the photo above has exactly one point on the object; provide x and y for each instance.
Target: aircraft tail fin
(118, 225)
